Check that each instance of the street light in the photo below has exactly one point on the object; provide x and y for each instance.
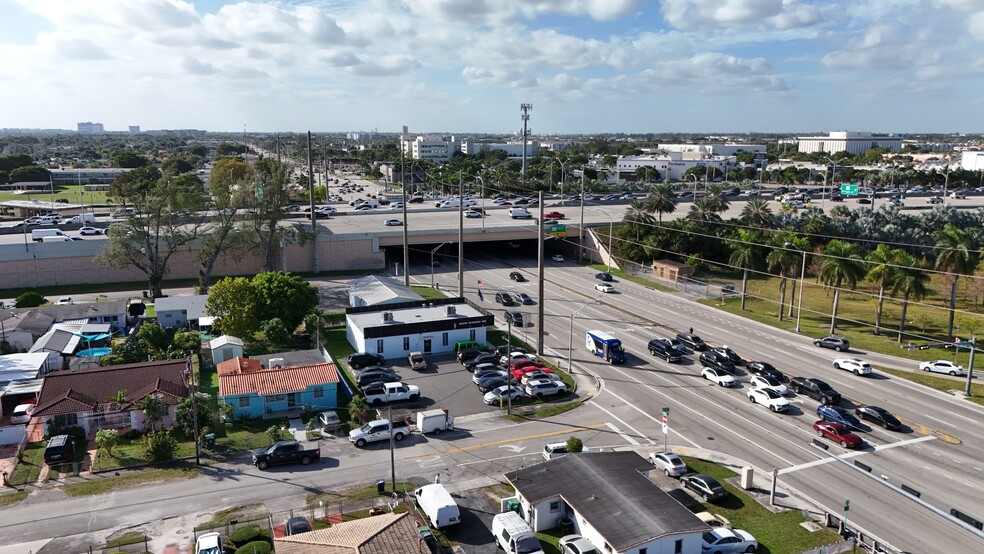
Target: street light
(438, 247)
(833, 170)
(694, 175)
(611, 225)
(563, 176)
(479, 177)
(799, 308)
(570, 345)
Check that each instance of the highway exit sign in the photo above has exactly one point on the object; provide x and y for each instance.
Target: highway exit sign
(557, 230)
(849, 190)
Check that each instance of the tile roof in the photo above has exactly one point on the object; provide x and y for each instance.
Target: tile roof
(277, 381)
(66, 392)
(382, 534)
(238, 365)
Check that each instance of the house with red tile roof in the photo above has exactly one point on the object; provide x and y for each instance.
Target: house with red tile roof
(255, 391)
(105, 397)
(380, 534)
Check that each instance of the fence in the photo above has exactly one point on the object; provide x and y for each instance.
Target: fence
(856, 538)
(688, 285)
(138, 547)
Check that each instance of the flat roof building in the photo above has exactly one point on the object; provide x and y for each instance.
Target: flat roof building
(850, 142)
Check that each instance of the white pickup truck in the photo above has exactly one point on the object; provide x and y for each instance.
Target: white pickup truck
(379, 393)
(378, 430)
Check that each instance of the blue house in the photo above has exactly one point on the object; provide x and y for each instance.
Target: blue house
(277, 391)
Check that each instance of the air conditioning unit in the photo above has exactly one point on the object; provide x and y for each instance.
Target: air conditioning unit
(387, 317)
(450, 310)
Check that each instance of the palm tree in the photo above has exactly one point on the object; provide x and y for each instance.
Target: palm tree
(638, 216)
(911, 281)
(957, 255)
(756, 213)
(661, 201)
(782, 259)
(714, 198)
(882, 272)
(841, 266)
(746, 253)
(703, 210)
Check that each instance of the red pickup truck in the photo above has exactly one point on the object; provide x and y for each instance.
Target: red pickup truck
(553, 215)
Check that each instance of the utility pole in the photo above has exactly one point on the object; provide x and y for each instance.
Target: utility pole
(461, 234)
(508, 356)
(389, 416)
(194, 411)
(970, 365)
(525, 108)
(540, 297)
(314, 215)
(406, 232)
(580, 225)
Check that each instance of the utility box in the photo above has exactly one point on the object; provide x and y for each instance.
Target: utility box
(746, 477)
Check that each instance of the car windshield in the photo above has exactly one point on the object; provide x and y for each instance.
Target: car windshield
(769, 380)
(823, 386)
(209, 550)
(771, 393)
(525, 545)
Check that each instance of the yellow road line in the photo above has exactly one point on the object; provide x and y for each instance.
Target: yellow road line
(920, 428)
(508, 441)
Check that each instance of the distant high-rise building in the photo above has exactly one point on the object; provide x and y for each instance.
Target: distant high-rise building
(406, 130)
(134, 129)
(90, 128)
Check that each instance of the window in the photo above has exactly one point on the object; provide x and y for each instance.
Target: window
(678, 546)
(65, 420)
(444, 339)
(379, 346)
(319, 392)
(643, 550)
(471, 334)
(244, 402)
(554, 506)
(406, 343)
(273, 398)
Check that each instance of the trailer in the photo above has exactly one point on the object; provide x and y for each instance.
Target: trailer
(606, 346)
(434, 421)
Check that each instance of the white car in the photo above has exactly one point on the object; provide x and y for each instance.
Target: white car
(718, 376)
(493, 396)
(209, 543)
(858, 367)
(516, 357)
(713, 520)
(576, 544)
(91, 231)
(364, 208)
(768, 382)
(768, 398)
(604, 287)
(22, 414)
(64, 301)
(393, 222)
(557, 258)
(472, 214)
(396, 206)
(724, 540)
(669, 463)
(943, 366)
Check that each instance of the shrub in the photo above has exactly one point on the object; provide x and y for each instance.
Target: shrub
(574, 445)
(30, 299)
(257, 547)
(274, 433)
(107, 438)
(249, 534)
(160, 445)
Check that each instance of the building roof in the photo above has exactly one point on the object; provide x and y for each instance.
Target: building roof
(292, 358)
(193, 305)
(236, 365)
(66, 312)
(219, 342)
(418, 314)
(28, 320)
(380, 534)
(67, 392)
(15, 367)
(56, 340)
(381, 289)
(608, 490)
(277, 381)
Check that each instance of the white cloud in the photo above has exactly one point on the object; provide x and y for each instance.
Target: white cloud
(782, 14)
(884, 47)
(976, 26)
(504, 11)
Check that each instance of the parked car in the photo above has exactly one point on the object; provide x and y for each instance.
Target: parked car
(717, 360)
(943, 366)
(296, 525)
(838, 433)
(517, 276)
(417, 361)
(539, 388)
(484, 358)
(576, 544)
(488, 372)
(768, 398)
(669, 463)
(464, 356)
(881, 416)
(722, 540)
(840, 415)
(557, 258)
(209, 543)
(363, 380)
(839, 344)
(692, 341)
(854, 365)
(768, 382)
(363, 359)
(705, 486)
(543, 373)
(718, 376)
(604, 287)
(491, 383)
(765, 368)
(714, 520)
(22, 414)
(604, 276)
(815, 389)
(501, 394)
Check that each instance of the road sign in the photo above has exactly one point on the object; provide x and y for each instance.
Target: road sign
(557, 230)
(666, 412)
(847, 505)
(849, 190)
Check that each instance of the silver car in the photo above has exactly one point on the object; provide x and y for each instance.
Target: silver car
(669, 463)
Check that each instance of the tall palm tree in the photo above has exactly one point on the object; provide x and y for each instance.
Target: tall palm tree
(956, 254)
(782, 259)
(703, 210)
(882, 270)
(746, 253)
(714, 198)
(756, 213)
(638, 217)
(661, 201)
(842, 265)
(911, 281)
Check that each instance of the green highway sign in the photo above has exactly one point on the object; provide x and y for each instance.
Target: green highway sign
(666, 411)
(849, 190)
(557, 230)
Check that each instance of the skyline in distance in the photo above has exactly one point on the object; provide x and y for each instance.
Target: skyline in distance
(587, 66)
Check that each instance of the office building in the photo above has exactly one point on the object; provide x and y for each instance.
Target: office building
(850, 142)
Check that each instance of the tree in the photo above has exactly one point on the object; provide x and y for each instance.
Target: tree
(661, 201)
(574, 445)
(911, 281)
(756, 213)
(160, 445)
(207, 413)
(226, 233)
(359, 411)
(956, 254)
(283, 296)
(275, 332)
(107, 438)
(129, 159)
(638, 217)
(882, 270)
(154, 338)
(782, 259)
(841, 266)
(273, 190)
(188, 343)
(232, 301)
(745, 254)
(30, 174)
(10, 162)
(154, 409)
(30, 299)
(177, 165)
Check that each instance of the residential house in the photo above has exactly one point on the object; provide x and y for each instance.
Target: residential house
(255, 391)
(380, 534)
(611, 502)
(180, 311)
(112, 312)
(22, 329)
(21, 366)
(64, 339)
(105, 397)
(376, 290)
(225, 348)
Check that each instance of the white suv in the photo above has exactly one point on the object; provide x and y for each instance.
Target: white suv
(520, 213)
(538, 388)
(859, 367)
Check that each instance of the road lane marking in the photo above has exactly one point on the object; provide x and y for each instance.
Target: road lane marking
(878, 448)
(962, 417)
(620, 420)
(509, 441)
(623, 435)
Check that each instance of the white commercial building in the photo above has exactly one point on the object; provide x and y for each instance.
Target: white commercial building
(428, 326)
(972, 161)
(434, 149)
(673, 165)
(711, 149)
(90, 128)
(850, 142)
(512, 149)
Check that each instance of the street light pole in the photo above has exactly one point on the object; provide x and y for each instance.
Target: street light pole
(799, 307)
(580, 225)
(694, 175)
(570, 344)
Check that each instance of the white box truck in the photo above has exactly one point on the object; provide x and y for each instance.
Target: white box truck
(434, 421)
(82, 219)
(38, 235)
(436, 503)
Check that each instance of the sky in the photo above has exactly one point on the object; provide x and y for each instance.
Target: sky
(465, 66)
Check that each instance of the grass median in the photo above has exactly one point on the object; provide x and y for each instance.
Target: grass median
(131, 481)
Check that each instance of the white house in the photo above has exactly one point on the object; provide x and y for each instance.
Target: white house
(21, 330)
(225, 348)
(375, 290)
(179, 311)
(428, 326)
(611, 502)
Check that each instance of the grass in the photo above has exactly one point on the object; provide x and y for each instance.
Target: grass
(544, 412)
(28, 469)
(619, 274)
(134, 480)
(246, 435)
(357, 494)
(12, 498)
(777, 533)
(497, 337)
(226, 516)
(95, 288)
(62, 192)
(428, 293)
(130, 452)
(130, 537)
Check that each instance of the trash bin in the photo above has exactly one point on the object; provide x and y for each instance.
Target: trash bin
(512, 505)
(381, 486)
(566, 526)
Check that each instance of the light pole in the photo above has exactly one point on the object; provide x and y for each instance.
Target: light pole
(833, 170)
(570, 345)
(479, 177)
(799, 307)
(694, 175)
(580, 225)
(438, 247)
(611, 225)
(563, 172)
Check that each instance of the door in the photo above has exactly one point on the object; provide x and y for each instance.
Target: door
(427, 346)
(291, 400)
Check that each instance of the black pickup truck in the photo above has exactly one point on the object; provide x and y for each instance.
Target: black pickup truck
(286, 452)
(815, 389)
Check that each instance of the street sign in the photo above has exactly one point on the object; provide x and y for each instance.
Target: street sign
(847, 505)
(557, 230)
(849, 190)
(666, 412)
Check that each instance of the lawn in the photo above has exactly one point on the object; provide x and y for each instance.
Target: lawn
(134, 480)
(356, 494)
(619, 274)
(90, 288)
(28, 469)
(130, 452)
(777, 533)
(71, 193)
(428, 293)
(12, 498)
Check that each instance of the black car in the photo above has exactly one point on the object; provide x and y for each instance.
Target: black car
(296, 525)
(517, 276)
(815, 389)
(765, 369)
(484, 358)
(516, 318)
(659, 348)
(838, 344)
(374, 369)
(881, 416)
(505, 350)
(468, 354)
(363, 359)
(604, 276)
(717, 360)
(705, 486)
(367, 379)
(692, 341)
(487, 384)
(525, 298)
(731, 355)
(504, 298)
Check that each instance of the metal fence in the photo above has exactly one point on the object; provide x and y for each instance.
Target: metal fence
(109, 548)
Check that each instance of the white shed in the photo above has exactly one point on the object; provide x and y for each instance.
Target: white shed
(225, 348)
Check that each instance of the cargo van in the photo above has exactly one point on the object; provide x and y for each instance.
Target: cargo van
(122, 212)
(519, 213)
(38, 235)
(514, 535)
(82, 219)
(60, 450)
(436, 503)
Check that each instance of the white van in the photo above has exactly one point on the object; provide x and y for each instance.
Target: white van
(122, 212)
(38, 235)
(519, 213)
(49, 219)
(555, 450)
(514, 535)
(57, 238)
(436, 502)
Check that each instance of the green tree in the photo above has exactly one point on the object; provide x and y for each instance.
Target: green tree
(284, 296)
(30, 174)
(783, 259)
(154, 338)
(359, 411)
(268, 207)
(227, 233)
(107, 439)
(177, 165)
(638, 218)
(160, 446)
(129, 159)
(10, 162)
(756, 213)
(232, 301)
(207, 413)
(188, 343)
(274, 432)
(275, 332)
(227, 149)
(30, 299)
(911, 281)
(154, 408)
(841, 266)
(956, 254)
(574, 445)
(882, 270)
(746, 253)
(661, 201)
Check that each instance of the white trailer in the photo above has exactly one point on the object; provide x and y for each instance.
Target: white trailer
(434, 421)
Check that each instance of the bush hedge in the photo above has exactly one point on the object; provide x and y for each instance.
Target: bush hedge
(248, 534)
(255, 547)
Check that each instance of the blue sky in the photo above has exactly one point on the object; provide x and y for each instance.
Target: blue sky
(587, 66)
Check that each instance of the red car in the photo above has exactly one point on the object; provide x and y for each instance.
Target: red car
(553, 215)
(839, 433)
(518, 364)
(519, 373)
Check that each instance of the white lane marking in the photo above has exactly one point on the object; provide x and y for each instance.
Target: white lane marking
(962, 417)
(622, 421)
(936, 419)
(621, 434)
(878, 448)
(653, 418)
